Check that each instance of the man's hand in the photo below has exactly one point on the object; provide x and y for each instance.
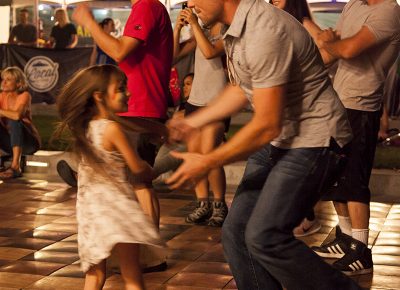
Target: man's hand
(82, 15)
(179, 130)
(193, 168)
(327, 35)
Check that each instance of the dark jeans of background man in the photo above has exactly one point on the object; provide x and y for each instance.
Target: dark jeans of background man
(146, 149)
(18, 135)
(277, 190)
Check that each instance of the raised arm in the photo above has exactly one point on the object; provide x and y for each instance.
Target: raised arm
(117, 49)
(209, 50)
(181, 49)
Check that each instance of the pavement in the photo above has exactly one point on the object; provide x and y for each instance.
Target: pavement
(38, 241)
(38, 234)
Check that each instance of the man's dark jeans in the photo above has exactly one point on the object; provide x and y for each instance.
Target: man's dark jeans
(17, 135)
(277, 190)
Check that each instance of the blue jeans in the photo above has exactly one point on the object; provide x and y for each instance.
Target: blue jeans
(277, 190)
(164, 162)
(17, 135)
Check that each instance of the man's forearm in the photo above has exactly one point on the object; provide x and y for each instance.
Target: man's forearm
(110, 45)
(327, 57)
(231, 100)
(13, 115)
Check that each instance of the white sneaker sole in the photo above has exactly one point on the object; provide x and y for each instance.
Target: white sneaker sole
(329, 255)
(314, 228)
(359, 272)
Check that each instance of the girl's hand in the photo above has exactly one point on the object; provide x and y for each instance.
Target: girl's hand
(189, 16)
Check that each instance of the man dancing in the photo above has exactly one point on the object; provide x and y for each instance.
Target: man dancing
(297, 125)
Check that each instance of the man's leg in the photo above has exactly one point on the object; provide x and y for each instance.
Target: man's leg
(354, 195)
(248, 273)
(292, 188)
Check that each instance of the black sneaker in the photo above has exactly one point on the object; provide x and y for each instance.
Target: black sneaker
(67, 173)
(219, 213)
(335, 249)
(201, 213)
(357, 261)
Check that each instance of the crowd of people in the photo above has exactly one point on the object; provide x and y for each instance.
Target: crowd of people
(309, 137)
(63, 33)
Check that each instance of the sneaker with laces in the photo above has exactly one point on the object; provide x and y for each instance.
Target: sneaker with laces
(357, 261)
(335, 249)
(306, 227)
(219, 213)
(201, 213)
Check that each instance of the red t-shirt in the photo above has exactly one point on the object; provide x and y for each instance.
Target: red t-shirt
(148, 67)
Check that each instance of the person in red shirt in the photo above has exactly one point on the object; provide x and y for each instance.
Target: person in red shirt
(144, 53)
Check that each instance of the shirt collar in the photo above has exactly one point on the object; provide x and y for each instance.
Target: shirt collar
(239, 19)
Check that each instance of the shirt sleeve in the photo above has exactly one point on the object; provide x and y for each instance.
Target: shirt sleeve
(52, 33)
(72, 29)
(140, 22)
(383, 24)
(269, 56)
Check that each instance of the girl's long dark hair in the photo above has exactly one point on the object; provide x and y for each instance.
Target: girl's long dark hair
(77, 107)
(299, 9)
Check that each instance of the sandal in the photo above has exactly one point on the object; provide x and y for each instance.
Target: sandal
(10, 173)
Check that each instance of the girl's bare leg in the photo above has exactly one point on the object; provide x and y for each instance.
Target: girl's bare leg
(149, 203)
(96, 276)
(128, 255)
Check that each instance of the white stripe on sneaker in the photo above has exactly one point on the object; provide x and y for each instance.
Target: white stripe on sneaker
(331, 250)
(352, 267)
(340, 249)
(356, 266)
(359, 264)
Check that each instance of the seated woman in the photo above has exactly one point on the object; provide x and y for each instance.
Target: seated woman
(17, 134)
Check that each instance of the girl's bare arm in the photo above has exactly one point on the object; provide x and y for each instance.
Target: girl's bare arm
(116, 140)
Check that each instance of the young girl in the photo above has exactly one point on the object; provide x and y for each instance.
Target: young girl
(108, 212)
(18, 135)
